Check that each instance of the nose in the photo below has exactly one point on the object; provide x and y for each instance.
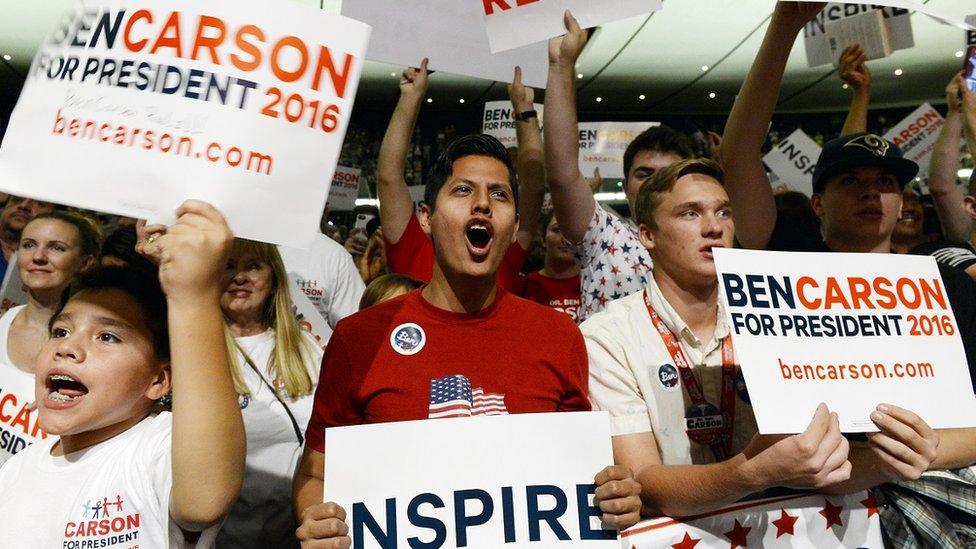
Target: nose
(68, 348)
(240, 277)
(870, 188)
(39, 255)
(481, 202)
(712, 226)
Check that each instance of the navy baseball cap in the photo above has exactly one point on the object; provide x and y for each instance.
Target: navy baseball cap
(861, 149)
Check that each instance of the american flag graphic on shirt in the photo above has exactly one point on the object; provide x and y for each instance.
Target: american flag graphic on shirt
(452, 396)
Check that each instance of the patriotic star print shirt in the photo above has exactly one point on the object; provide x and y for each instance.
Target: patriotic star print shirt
(405, 359)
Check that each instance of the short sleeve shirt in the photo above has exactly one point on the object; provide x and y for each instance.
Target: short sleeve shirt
(561, 294)
(405, 359)
(954, 254)
(612, 261)
(633, 377)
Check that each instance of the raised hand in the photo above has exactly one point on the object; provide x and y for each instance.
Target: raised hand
(954, 92)
(853, 70)
(565, 50)
(796, 14)
(414, 80)
(521, 96)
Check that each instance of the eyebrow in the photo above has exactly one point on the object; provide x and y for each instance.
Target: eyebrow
(698, 204)
(101, 320)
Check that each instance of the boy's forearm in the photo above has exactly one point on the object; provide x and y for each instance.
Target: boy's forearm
(686, 490)
(208, 433)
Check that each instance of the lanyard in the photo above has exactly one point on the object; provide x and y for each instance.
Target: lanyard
(720, 442)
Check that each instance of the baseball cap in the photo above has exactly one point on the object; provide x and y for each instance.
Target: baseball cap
(861, 149)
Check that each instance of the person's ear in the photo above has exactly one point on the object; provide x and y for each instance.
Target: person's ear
(816, 201)
(646, 236)
(162, 383)
(515, 232)
(424, 218)
(87, 263)
(969, 204)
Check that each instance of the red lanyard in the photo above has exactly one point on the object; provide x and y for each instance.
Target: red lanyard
(720, 442)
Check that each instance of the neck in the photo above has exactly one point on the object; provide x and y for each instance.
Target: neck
(901, 244)
(41, 306)
(459, 293)
(554, 268)
(243, 326)
(69, 444)
(841, 244)
(696, 302)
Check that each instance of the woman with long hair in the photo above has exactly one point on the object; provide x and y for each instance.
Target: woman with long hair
(54, 247)
(275, 366)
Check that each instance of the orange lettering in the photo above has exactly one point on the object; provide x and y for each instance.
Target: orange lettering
(136, 46)
(338, 79)
(247, 47)
(807, 281)
(298, 45)
(860, 292)
(8, 398)
(882, 287)
(209, 42)
(164, 41)
(834, 295)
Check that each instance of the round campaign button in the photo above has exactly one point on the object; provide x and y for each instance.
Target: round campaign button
(704, 423)
(408, 339)
(667, 374)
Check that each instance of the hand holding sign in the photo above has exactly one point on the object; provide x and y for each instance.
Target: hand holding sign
(796, 14)
(565, 50)
(954, 93)
(618, 496)
(414, 81)
(906, 445)
(522, 96)
(815, 458)
(324, 525)
(853, 68)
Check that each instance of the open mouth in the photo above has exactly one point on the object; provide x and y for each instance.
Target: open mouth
(479, 236)
(908, 218)
(64, 388)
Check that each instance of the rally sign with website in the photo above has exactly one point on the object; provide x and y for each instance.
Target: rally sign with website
(500, 119)
(602, 145)
(850, 330)
(483, 481)
(132, 107)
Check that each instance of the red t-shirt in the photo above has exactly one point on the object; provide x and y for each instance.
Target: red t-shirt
(405, 359)
(562, 294)
(413, 256)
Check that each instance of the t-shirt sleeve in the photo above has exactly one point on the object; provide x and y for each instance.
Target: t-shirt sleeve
(334, 405)
(576, 395)
(401, 255)
(346, 284)
(613, 387)
(599, 230)
(954, 254)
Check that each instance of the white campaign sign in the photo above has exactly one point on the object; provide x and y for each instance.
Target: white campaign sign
(808, 521)
(499, 121)
(130, 107)
(515, 23)
(450, 33)
(850, 330)
(916, 136)
(817, 43)
(307, 316)
(12, 291)
(417, 196)
(519, 481)
(793, 161)
(345, 188)
(602, 145)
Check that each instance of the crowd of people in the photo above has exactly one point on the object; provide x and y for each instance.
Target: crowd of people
(157, 386)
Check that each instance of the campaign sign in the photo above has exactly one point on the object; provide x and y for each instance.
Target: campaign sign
(450, 33)
(916, 136)
(132, 107)
(523, 480)
(308, 317)
(803, 520)
(416, 196)
(515, 23)
(817, 43)
(345, 188)
(499, 121)
(602, 145)
(793, 161)
(850, 330)
(971, 34)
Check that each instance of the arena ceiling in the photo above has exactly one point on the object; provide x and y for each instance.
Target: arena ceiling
(660, 57)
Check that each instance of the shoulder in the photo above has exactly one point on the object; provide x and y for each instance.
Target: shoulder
(536, 314)
(617, 318)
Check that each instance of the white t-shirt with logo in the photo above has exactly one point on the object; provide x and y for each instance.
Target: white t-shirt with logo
(262, 515)
(18, 425)
(633, 376)
(327, 275)
(114, 494)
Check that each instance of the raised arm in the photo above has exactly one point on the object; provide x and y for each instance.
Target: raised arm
(396, 207)
(572, 199)
(855, 73)
(208, 445)
(754, 209)
(943, 171)
(531, 161)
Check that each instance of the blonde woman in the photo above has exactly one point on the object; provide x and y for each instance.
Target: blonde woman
(275, 368)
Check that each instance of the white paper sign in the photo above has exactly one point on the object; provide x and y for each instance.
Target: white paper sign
(417, 196)
(807, 521)
(850, 330)
(12, 291)
(519, 481)
(602, 145)
(817, 43)
(345, 188)
(498, 121)
(971, 34)
(514, 23)
(916, 136)
(450, 33)
(307, 316)
(131, 107)
(793, 160)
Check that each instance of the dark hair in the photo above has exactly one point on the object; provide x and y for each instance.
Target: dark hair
(121, 244)
(90, 236)
(141, 286)
(652, 191)
(470, 145)
(659, 139)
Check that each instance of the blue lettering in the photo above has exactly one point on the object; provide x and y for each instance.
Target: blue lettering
(462, 520)
(361, 516)
(551, 517)
(415, 518)
(586, 511)
(733, 290)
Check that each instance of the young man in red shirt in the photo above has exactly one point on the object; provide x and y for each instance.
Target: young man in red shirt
(460, 333)
(557, 284)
